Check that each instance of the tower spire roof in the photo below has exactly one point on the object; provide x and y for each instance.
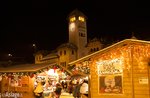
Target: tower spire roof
(77, 13)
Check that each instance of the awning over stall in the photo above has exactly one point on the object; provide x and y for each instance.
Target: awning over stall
(25, 67)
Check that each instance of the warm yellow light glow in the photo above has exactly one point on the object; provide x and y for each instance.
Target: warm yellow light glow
(72, 26)
(51, 72)
(81, 18)
(112, 66)
(72, 19)
(127, 55)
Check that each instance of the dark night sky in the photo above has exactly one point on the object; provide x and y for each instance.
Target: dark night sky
(44, 22)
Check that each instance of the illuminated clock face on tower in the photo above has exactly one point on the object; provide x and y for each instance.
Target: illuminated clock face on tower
(72, 26)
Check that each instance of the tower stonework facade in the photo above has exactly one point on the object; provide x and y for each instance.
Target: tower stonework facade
(78, 32)
(77, 46)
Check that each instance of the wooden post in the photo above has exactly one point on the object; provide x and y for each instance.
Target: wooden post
(132, 76)
(89, 84)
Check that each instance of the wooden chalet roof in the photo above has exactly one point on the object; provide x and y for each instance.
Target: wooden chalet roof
(119, 44)
(25, 67)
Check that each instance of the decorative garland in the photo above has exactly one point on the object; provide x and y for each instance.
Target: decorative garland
(31, 74)
(82, 67)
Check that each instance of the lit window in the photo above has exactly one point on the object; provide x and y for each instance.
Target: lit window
(72, 19)
(81, 18)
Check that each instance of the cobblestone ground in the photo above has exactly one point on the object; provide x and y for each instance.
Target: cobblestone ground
(63, 95)
(66, 95)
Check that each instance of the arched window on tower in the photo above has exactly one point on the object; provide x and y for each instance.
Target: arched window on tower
(81, 18)
(72, 19)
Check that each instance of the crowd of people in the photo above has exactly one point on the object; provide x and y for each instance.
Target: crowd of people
(76, 90)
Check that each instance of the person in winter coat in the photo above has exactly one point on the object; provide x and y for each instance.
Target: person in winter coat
(65, 86)
(57, 92)
(70, 87)
(38, 90)
(76, 91)
(84, 88)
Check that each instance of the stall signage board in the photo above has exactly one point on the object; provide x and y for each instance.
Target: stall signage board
(114, 66)
(143, 80)
(109, 84)
(110, 76)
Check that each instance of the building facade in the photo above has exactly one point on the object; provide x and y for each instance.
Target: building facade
(78, 45)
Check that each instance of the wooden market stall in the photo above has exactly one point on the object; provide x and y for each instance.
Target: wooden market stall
(121, 70)
(20, 79)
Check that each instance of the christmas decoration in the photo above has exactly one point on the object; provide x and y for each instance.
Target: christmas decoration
(31, 74)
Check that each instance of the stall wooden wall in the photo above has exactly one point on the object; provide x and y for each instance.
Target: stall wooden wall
(25, 91)
(95, 86)
(141, 79)
(132, 87)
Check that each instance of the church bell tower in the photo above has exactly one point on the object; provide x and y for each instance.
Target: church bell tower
(78, 31)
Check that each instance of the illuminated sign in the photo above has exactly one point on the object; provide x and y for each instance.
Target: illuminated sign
(114, 66)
